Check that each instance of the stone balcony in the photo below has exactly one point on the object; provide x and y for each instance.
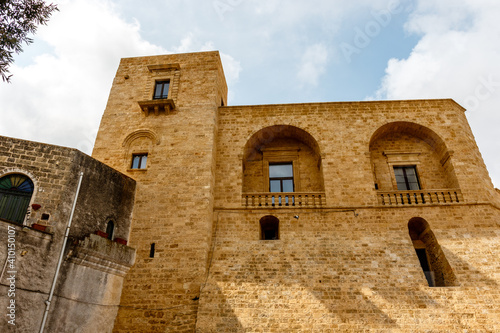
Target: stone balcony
(421, 197)
(157, 106)
(284, 200)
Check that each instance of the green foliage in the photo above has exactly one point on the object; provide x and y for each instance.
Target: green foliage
(18, 19)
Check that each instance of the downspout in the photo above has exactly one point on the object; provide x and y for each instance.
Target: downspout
(5, 263)
(63, 248)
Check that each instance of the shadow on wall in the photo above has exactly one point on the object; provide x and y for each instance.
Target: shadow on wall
(331, 283)
(215, 302)
(282, 284)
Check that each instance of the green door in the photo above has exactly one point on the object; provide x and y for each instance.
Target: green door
(15, 195)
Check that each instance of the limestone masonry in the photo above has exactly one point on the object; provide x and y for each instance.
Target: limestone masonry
(372, 216)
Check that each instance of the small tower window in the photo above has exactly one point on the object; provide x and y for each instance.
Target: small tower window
(161, 89)
(110, 230)
(269, 228)
(152, 250)
(139, 161)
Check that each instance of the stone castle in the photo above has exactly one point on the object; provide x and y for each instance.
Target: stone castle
(195, 216)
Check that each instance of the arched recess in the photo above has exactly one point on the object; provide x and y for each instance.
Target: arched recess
(16, 191)
(139, 145)
(400, 147)
(141, 133)
(282, 152)
(269, 228)
(437, 270)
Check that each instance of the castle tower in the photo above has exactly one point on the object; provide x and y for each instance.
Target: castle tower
(159, 128)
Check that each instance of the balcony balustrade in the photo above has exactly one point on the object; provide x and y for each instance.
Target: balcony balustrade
(284, 199)
(421, 197)
(318, 199)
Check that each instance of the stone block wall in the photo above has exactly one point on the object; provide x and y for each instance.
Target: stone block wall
(105, 195)
(346, 271)
(351, 265)
(344, 131)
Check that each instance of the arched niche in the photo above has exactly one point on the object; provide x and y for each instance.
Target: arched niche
(399, 145)
(279, 147)
(269, 228)
(435, 266)
(142, 133)
(139, 145)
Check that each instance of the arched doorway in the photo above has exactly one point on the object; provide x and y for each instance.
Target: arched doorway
(15, 195)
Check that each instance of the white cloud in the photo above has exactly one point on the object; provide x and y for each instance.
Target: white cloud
(190, 44)
(313, 65)
(60, 97)
(232, 67)
(456, 57)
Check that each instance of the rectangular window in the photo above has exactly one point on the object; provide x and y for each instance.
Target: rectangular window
(281, 177)
(139, 161)
(161, 89)
(424, 262)
(406, 178)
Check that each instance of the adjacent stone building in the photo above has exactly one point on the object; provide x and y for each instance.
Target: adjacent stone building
(38, 187)
(372, 216)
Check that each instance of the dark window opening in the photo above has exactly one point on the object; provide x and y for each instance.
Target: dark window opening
(269, 228)
(45, 217)
(424, 262)
(435, 266)
(15, 195)
(139, 161)
(406, 178)
(110, 230)
(281, 177)
(161, 89)
(152, 250)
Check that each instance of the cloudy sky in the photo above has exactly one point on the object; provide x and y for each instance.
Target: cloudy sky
(274, 51)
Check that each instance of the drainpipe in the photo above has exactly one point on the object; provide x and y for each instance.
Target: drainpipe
(5, 263)
(63, 248)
